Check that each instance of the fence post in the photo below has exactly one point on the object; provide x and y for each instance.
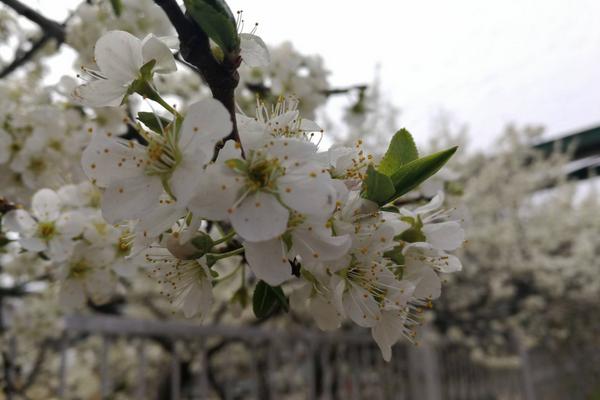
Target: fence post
(424, 375)
(527, 382)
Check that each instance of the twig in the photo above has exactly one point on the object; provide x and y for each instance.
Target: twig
(25, 57)
(51, 28)
(221, 78)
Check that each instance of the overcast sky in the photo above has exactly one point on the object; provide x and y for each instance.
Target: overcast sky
(485, 63)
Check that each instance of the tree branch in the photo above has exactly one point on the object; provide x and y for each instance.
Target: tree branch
(52, 28)
(25, 57)
(221, 78)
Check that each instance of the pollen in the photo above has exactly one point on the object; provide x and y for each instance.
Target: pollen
(120, 190)
(313, 174)
(93, 166)
(257, 204)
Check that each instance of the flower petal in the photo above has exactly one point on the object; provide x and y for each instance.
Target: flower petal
(254, 51)
(361, 307)
(130, 198)
(387, 332)
(108, 158)
(206, 122)
(215, 194)
(119, 56)
(154, 48)
(45, 205)
(308, 190)
(260, 217)
(268, 261)
(447, 235)
(19, 221)
(100, 93)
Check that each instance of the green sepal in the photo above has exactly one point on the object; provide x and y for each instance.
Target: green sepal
(377, 187)
(217, 21)
(153, 121)
(203, 243)
(237, 164)
(268, 299)
(401, 151)
(395, 255)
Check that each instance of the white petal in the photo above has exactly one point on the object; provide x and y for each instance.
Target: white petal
(325, 313)
(60, 248)
(45, 205)
(154, 48)
(450, 264)
(186, 178)
(387, 332)
(444, 235)
(252, 133)
(206, 122)
(70, 224)
(108, 158)
(130, 198)
(33, 244)
(308, 125)
(216, 193)
(315, 243)
(268, 261)
(197, 299)
(19, 221)
(433, 204)
(428, 284)
(308, 190)
(260, 217)
(100, 93)
(253, 50)
(361, 307)
(160, 218)
(119, 56)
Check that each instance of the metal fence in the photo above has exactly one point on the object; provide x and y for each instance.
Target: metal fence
(260, 363)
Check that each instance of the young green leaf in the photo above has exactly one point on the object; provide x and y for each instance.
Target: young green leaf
(216, 19)
(151, 120)
(117, 6)
(402, 150)
(412, 174)
(268, 299)
(377, 187)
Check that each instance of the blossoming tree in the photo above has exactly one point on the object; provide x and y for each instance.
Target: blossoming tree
(192, 159)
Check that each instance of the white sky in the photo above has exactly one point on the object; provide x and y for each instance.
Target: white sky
(486, 63)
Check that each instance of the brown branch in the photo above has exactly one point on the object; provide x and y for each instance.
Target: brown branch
(221, 78)
(25, 57)
(51, 28)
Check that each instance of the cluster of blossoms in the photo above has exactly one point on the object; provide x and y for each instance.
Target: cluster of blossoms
(530, 276)
(320, 225)
(289, 73)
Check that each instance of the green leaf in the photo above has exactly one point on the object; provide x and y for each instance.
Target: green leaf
(216, 19)
(412, 174)
(268, 299)
(377, 187)
(151, 120)
(117, 6)
(401, 151)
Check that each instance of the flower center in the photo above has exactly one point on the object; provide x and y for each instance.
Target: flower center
(46, 230)
(162, 152)
(79, 269)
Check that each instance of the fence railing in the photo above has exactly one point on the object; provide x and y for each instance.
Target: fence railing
(259, 363)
